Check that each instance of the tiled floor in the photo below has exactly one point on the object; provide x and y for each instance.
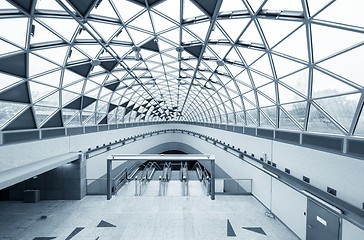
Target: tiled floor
(141, 217)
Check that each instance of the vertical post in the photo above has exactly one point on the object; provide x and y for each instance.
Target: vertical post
(212, 192)
(109, 168)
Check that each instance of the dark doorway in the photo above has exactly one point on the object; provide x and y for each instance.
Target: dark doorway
(173, 152)
(321, 223)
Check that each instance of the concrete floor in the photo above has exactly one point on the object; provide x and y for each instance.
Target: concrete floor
(149, 216)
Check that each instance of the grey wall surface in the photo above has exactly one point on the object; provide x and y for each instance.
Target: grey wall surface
(67, 182)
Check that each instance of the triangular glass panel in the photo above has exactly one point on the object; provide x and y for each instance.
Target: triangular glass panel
(345, 65)
(297, 111)
(293, 5)
(295, 45)
(38, 65)
(316, 5)
(68, 96)
(250, 55)
(341, 108)
(138, 36)
(265, 121)
(91, 50)
(172, 35)
(58, 25)
(255, 4)
(127, 9)
(54, 121)
(251, 100)
(285, 122)
(143, 22)
(69, 77)
(263, 101)
(359, 129)
(199, 29)
(105, 30)
(42, 34)
(269, 90)
(243, 88)
(18, 93)
(8, 80)
(23, 121)
(229, 26)
(14, 64)
(190, 10)
(187, 37)
(7, 30)
(298, 81)
(317, 122)
(347, 10)
(105, 9)
(323, 85)
(251, 117)
(75, 56)
(325, 40)
(6, 48)
(8, 110)
(71, 118)
(56, 55)
(286, 95)
(76, 87)
(161, 23)
(39, 90)
(259, 80)
(84, 35)
(52, 100)
(42, 113)
(274, 31)
(263, 65)
(217, 34)
(251, 35)
(173, 9)
(232, 5)
(284, 66)
(220, 50)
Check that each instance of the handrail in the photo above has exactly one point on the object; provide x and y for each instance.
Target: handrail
(133, 170)
(198, 168)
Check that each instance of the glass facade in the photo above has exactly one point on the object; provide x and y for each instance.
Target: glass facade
(292, 65)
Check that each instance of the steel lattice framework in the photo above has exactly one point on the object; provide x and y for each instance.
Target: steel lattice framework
(274, 64)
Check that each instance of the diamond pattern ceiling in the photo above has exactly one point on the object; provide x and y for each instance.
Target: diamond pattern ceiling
(275, 64)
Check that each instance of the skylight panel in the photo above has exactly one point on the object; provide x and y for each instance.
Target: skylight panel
(39, 90)
(172, 35)
(234, 27)
(58, 25)
(6, 48)
(55, 54)
(190, 10)
(48, 5)
(275, 30)
(199, 29)
(251, 35)
(292, 5)
(38, 65)
(138, 36)
(105, 30)
(295, 45)
(105, 9)
(7, 30)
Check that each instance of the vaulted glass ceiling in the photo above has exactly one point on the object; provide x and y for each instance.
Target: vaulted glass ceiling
(293, 65)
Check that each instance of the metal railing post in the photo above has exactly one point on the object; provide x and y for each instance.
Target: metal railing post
(136, 186)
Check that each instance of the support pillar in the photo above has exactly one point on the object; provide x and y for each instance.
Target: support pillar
(212, 192)
(109, 169)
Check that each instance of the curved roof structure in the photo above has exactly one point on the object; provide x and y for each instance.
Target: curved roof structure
(265, 63)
